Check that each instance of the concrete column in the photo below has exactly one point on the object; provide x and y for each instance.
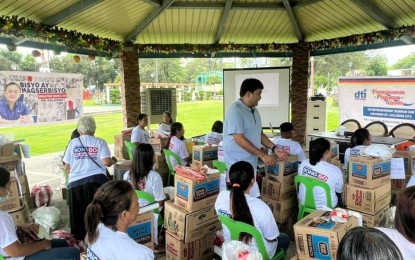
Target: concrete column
(299, 87)
(130, 85)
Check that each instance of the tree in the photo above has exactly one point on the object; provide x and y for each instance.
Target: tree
(377, 66)
(405, 63)
(29, 64)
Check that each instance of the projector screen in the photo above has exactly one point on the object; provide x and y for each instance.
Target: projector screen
(274, 106)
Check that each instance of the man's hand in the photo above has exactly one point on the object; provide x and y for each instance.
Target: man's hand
(282, 155)
(31, 229)
(268, 160)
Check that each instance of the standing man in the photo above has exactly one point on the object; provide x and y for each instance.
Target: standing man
(243, 136)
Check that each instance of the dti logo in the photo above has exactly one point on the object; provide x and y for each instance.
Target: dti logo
(360, 95)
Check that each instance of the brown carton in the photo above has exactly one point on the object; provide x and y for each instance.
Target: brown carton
(12, 163)
(408, 160)
(141, 230)
(375, 220)
(201, 249)
(203, 153)
(20, 215)
(275, 190)
(369, 201)
(400, 184)
(13, 202)
(368, 172)
(282, 210)
(317, 237)
(157, 143)
(192, 194)
(7, 149)
(120, 150)
(283, 171)
(190, 226)
(120, 168)
(395, 194)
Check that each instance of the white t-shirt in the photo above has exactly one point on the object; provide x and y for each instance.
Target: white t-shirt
(406, 247)
(81, 164)
(221, 153)
(213, 138)
(326, 172)
(164, 127)
(290, 146)
(117, 245)
(355, 151)
(153, 185)
(7, 233)
(178, 147)
(140, 135)
(264, 221)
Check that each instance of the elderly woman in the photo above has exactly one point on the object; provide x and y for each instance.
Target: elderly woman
(85, 160)
(11, 109)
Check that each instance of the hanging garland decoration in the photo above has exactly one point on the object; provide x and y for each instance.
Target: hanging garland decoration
(25, 28)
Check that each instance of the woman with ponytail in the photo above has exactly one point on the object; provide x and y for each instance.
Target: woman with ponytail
(107, 218)
(319, 167)
(176, 144)
(239, 205)
(360, 139)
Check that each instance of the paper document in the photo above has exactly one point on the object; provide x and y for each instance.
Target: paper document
(397, 169)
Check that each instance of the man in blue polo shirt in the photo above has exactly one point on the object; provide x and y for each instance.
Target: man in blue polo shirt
(11, 108)
(243, 136)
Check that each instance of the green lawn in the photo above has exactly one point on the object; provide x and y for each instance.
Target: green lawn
(197, 118)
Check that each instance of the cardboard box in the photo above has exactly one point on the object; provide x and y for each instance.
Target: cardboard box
(284, 172)
(199, 164)
(200, 249)
(395, 194)
(141, 230)
(203, 153)
(282, 210)
(12, 163)
(408, 160)
(157, 143)
(13, 202)
(196, 194)
(368, 172)
(375, 220)
(275, 190)
(7, 149)
(190, 226)
(318, 238)
(369, 201)
(24, 184)
(400, 184)
(20, 215)
(120, 168)
(120, 150)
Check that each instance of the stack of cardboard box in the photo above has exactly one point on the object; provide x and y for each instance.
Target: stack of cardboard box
(191, 221)
(120, 150)
(369, 188)
(278, 188)
(204, 155)
(399, 185)
(19, 199)
(318, 237)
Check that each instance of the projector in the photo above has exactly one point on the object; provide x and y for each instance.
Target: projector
(348, 133)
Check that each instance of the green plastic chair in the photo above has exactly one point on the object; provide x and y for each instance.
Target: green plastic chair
(1, 258)
(238, 227)
(221, 166)
(150, 199)
(309, 202)
(130, 149)
(169, 154)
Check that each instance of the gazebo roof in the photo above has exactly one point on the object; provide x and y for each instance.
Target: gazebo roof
(173, 26)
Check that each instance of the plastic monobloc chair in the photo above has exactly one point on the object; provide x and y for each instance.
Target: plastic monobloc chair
(130, 148)
(169, 155)
(309, 202)
(150, 199)
(238, 227)
(221, 166)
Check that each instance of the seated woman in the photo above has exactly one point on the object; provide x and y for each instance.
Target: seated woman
(140, 134)
(107, 218)
(215, 137)
(360, 139)
(404, 234)
(165, 126)
(238, 205)
(362, 243)
(176, 144)
(318, 167)
(11, 248)
(143, 177)
(285, 143)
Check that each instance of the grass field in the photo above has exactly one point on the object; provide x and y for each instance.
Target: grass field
(197, 118)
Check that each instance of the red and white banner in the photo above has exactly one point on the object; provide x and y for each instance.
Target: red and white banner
(387, 99)
(35, 97)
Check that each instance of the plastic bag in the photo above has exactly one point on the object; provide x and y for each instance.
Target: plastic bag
(42, 195)
(236, 250)
(378, 150)
(390, 218)
(49, 217)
